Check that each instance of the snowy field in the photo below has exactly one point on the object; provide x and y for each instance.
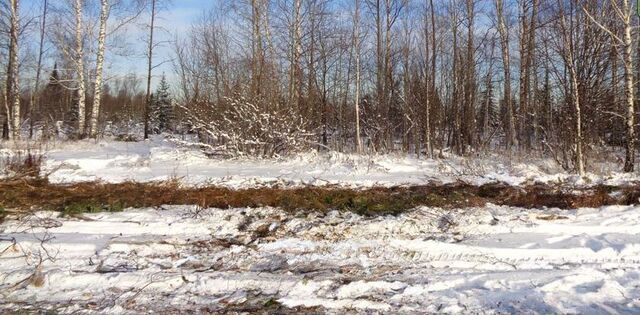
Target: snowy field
(181, 258)
(161, 159)
(177, 259)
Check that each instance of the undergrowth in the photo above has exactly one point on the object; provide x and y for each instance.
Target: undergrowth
(90, 206)
(100, 197)
(23, 164)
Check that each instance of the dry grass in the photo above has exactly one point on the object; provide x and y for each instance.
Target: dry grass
(38, 193)
(23, 164)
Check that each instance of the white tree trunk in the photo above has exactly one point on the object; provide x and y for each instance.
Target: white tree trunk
(628, 76)
(147, 105)
(570, 63)
(576, 103)
(504, 42)
(97, 94)
(14, 85)
(356, 39)
(625, 13)
(79, 63)
(296, 52)
(35, 97)
(431, 93)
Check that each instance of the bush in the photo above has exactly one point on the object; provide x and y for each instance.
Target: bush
(22, 164)
(238, 127)
(125, 137)
(91, 206)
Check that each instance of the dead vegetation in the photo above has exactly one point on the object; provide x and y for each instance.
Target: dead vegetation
(38, 193)
(22, 164)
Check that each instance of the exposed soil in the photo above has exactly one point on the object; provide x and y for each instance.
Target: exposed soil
(25, 194)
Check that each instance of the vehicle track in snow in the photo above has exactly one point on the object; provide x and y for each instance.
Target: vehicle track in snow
(185, 258)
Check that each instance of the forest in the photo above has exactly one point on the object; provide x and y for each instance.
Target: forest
(319, 157)
(547, 76)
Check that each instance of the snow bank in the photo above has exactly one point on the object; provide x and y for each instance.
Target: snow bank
(184, 258)
(160, 159)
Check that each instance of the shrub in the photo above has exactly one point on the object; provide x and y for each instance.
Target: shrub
(91, 206)
(22, 164)
(239, 127)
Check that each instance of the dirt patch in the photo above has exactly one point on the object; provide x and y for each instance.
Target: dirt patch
(96, 197)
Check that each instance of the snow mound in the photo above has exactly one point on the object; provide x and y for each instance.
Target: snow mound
(184, 258)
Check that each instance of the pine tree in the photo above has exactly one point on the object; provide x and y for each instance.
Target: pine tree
(162, 107)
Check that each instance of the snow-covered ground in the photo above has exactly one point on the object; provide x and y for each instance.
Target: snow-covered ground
(183, 258)
(186, 259)
(160, 159)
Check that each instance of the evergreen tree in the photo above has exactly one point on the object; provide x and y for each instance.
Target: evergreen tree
(161, 107)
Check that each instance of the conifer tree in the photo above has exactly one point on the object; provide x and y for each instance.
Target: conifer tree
(162, 107)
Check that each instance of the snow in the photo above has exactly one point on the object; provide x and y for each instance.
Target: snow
(492, 259)
(160, 159)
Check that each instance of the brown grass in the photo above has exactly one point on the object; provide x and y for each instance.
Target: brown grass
(23, 164)
(38, 193)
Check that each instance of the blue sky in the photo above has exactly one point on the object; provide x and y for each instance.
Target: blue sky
(172, 20)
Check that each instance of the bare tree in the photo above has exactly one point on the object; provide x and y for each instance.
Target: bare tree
(13, 82)
(510, 132)
(431, 92)
(97, 90)
(356, 43)
(568, 52)
(295, 71)
(624, 12)
(78, 60)
(470, 82)
(147, 107)
(35, 93)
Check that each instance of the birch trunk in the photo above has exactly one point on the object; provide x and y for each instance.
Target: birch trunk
(97, 94)
(296, 52)
(79, 63)
(504, 42)
(13, 86)
(576, 104)
(524, 73)
(570, 63)
(432, 90)
(356, 39)
(147, 106)
(35, 93)
(427, 103)
(470, 89)
(628, 76)
(625, 13)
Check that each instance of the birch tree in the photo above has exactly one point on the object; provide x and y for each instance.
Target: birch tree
(78, 60)
(295, 71)
(510, 132)
(470, 82)
(147, 107)
(432, 87)
(356, 43)
(97, 90)
(568, 51)
(35, 99)
(13, 82)
(623, 10)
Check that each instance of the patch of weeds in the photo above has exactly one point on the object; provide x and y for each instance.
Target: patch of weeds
(91, 206)
(3, 214)
(272, 303)
(125, 137)
(552, 217)
(23, 164)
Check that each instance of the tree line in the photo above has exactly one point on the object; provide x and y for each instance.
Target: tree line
(556, 77)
